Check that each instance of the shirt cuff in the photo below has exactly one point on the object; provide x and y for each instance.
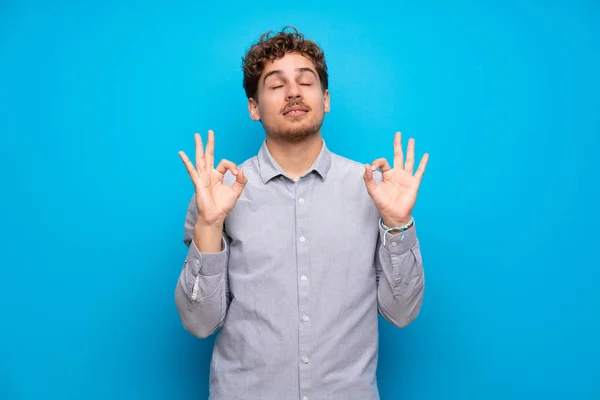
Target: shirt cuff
(394, 243)
(207, 263)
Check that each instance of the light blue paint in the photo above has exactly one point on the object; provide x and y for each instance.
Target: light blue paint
(96, 98)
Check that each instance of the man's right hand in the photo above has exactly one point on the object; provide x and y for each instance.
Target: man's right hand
(214, 199)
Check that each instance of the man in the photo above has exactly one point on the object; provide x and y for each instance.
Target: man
(294, 253)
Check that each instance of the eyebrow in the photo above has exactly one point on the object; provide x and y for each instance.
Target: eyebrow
(280, 72)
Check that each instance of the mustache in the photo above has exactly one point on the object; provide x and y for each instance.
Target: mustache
(295, 103)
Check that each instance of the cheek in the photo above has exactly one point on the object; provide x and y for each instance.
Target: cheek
(269, 110)
(318, 102)
(269, 102)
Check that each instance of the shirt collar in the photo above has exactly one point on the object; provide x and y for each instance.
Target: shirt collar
(269, 168)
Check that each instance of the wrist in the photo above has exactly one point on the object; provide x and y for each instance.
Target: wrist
(207, 237)
(396, 222)
(202, 225)
(398, 226)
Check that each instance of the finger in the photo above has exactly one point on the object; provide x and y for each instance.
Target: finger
(225, 165)
(188, 165)
(240, 182)
(410, 156)
(382, 164)
(398, 154)
(422, 165)
(210, 150)
(200, 161)
(369, 180)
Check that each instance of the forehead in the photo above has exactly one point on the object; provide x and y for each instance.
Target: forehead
(288, 64)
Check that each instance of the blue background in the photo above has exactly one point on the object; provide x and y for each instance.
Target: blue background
(97, 98)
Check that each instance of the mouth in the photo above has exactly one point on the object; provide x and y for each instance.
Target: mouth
(295, 111)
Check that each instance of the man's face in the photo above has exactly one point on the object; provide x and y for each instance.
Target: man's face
(291, 104)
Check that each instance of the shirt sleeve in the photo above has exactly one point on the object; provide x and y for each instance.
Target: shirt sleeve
(400, 276)
(202, 292)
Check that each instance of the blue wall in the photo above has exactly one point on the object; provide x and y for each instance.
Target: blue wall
(97, 98)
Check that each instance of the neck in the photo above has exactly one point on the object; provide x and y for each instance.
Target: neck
(295, 158)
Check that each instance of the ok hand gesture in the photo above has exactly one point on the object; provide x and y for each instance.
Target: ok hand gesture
(396, 195)
(214, 199)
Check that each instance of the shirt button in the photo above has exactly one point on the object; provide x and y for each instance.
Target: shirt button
(305, 318)
(305, 398)
(302, 239)
(394, 244)
(305, 359)
(197, 262)
(303, 277)
(301, 200)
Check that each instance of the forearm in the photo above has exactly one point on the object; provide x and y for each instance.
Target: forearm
(201, 294)
(401, 281)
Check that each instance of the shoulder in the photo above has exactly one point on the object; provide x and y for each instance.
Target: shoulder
(346, 167)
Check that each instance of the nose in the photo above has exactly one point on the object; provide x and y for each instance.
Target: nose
(294, 92)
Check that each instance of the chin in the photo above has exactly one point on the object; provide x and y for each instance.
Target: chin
(296, 133)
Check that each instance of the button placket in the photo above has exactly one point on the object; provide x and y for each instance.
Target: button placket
(303, 270)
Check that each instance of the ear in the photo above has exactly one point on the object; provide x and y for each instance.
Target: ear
(326, 106)
(253, 109)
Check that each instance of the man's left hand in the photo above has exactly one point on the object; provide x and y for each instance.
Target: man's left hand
(396, 195)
